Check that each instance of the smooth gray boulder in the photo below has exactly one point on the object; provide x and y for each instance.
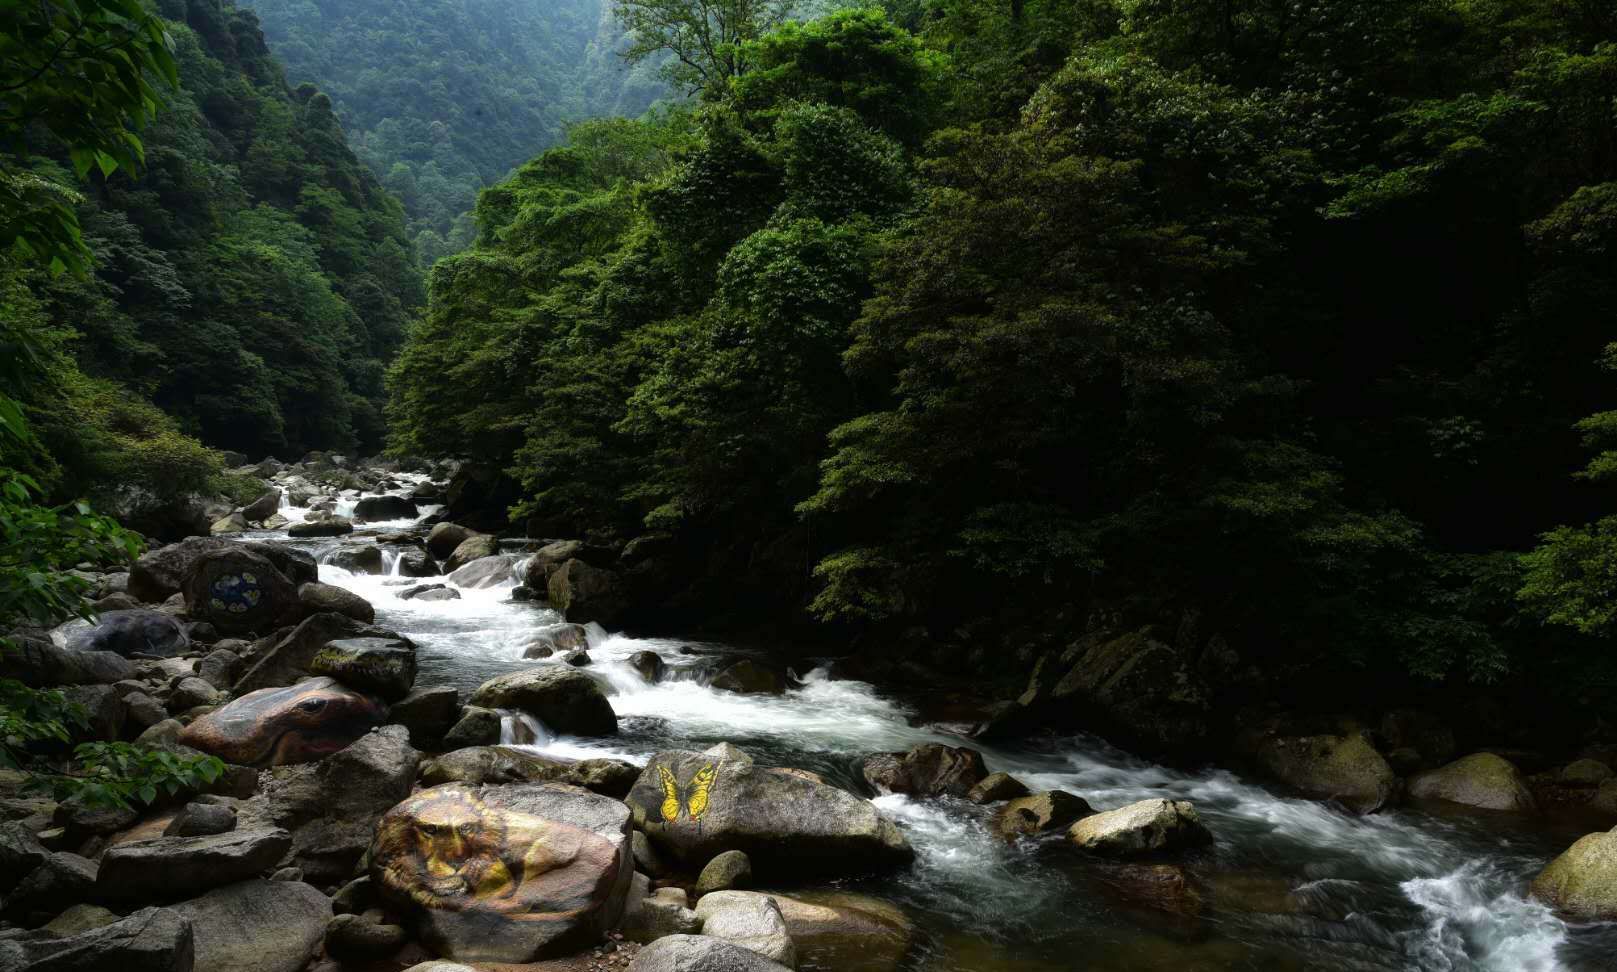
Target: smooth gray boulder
(729, 871)
(700, 953)
(317, 598)
(566, 700)
(475, 547)
(257, 926)
(750, 920)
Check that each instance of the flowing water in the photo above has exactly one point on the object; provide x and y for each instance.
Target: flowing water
(1290, 884)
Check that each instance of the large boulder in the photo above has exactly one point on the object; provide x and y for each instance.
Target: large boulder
(288, 657)
(150, 940)
(846, 931)
(257, 926)
(750, 677)
(167, 868)
(320, 598)
(475, 547)
(331, 807)
(930, 770)
(239, 590)
(583, 593)
(505, 873)
(232, 523)
(262, 508)
(131, 633)
(61, 880)
(694, 806)
(1141, 829)
(446, 537)
(370, 509)
(380, 666)
(161, 573)
(39, 662)
(1479, 780)
(700, 953)
(1582, 882)
(487, 572)
(750, 920)
(1135, 688)
(1342, 767)
(503, 764)
(564, 699)
(276, 726)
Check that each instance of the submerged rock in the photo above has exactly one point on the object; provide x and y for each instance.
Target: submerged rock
(694, 806)
(505, 873)
(1479, 780)
(1582, 882)
(277, 726)
(929, 770)
(566, 700)
(1141, 829)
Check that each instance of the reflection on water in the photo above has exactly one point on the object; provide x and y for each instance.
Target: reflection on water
(1290, 883)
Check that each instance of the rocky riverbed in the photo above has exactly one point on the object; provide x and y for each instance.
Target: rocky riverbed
(443, 753)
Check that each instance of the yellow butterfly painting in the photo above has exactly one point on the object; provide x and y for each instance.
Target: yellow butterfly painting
(694, 803)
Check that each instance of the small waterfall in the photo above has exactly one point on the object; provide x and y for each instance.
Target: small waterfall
(392, 562)
(521, 729)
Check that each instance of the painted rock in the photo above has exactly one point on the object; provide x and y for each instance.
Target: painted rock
(295, 724)
(505, 873)
(238, 590)
(694, 806)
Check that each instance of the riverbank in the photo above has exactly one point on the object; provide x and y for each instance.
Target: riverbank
(1286, 882)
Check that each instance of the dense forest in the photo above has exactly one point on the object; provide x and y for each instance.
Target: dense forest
(981, 325)
(247, 283)
(444, 97)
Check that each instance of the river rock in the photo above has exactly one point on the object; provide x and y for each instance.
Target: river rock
(648, 665)
(190, 693)
(227, 525)
(416, 563)
(238, 590)
(694, 807)
(475, 547)
(262, 508)
(486, 572)
(327, 526)
(727, 871)
(428, 713)
(583, 593)
(370, 509)
(277, 726)
(104, 709)
(166, 868)
(1141, 829)
(202, 820)
(161, 573)
(749, 677)
(358, 560)
(557, 637)
(257, 926)
(1582, 882)
(59, 881)
(750, 920)
(354, 938)
(319, 598)
(80, 918)
(150, 940)
(331, 807)
(928, 770)
(847, 932)
(288, 659)
(476, 726)
(700, 953)
(1041, 813)
(445, 538)
(378, 666)
(502, 764)
(219, 668)
(564, 699)
(39, 663)
(428, 592)
(648, 915)
(1345, 768)
(130, 633)
(505, 873)
(996, 787)
(20, 852)
(1479, 780)
(1584, 772)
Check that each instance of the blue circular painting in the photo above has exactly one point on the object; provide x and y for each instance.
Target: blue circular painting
(235, 593)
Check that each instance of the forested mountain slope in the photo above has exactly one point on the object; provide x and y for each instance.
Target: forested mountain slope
(987, 325)
(251, 282)
(444, 97)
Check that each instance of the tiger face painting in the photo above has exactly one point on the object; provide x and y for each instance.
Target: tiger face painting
(692, 800)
